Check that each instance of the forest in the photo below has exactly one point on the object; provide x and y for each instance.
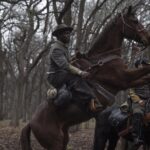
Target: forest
(26, 28)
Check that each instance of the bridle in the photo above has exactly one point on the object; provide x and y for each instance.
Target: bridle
(100, 61)
(129, 26)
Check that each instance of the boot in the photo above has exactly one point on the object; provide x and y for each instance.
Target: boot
(95, 105)
(137, 129)
(63, 97)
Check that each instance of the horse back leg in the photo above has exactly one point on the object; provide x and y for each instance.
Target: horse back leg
(66, 138)
(50, 136)
(100, 139)
(100, 144)
(25, 138)
(113, 142)
(140, 81)
(58, 143)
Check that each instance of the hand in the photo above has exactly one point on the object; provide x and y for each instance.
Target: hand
(142, 103)
(52, 93)
(85, 74)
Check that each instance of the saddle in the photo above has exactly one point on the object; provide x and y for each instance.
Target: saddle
(83, 62)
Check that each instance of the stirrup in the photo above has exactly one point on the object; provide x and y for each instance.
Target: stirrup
(93, 106)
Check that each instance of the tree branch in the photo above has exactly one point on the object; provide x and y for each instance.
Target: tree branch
(11, 1)
(39, 57)
(62, 13)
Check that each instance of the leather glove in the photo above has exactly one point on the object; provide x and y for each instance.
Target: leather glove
(85, 74)
(142, 103)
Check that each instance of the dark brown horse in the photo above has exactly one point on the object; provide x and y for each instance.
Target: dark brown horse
(50, 125)
(112, 124)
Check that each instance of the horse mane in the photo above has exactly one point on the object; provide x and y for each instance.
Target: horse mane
(102, 36)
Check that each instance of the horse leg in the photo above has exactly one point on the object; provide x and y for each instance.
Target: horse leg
(66, 138)
(127, 78)
(132, 146)
(100, 138)
(139, 82)
(135, 74)
(113, 139)
(100, 144)
(49, 135)
(57, 142)
(57, 145)
(25, 138)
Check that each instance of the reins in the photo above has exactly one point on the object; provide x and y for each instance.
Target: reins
(101, 61)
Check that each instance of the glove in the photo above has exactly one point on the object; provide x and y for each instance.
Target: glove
(51, 93)
(85, 74)
(142, 103)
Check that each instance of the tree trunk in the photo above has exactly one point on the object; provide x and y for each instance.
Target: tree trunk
(1, 76)
(80, 22)
(17, 105)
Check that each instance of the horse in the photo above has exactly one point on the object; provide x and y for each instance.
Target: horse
(112, 124)
(107, 70)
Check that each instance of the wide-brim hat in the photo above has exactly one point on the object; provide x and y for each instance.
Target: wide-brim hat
(61, 28)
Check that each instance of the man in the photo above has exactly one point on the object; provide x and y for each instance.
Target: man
(66, 77)
(139, 96)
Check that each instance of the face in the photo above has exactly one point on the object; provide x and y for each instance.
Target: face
(64, 36)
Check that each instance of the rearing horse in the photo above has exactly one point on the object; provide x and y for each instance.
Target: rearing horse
(50, 125)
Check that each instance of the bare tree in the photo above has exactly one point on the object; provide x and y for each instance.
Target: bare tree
(25, 41)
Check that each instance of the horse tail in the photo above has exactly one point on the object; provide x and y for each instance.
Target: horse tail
(25, 138)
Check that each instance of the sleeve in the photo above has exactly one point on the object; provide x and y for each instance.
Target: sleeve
(74, 70)
(61, 61)
(134, 97)
(59, 58)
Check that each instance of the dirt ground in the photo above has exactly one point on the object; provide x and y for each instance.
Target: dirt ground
(80, 140)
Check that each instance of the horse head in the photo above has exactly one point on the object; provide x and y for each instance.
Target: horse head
(131, 28)
(124, 25)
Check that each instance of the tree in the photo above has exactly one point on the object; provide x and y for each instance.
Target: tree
(25, 40)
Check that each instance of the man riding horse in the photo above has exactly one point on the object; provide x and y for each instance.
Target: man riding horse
(139, 96)
(64, 76)
(50, 124)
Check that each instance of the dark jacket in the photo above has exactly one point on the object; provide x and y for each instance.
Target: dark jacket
(59, 57)
(62, 72)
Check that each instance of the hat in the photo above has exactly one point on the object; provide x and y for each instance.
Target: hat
(143, 61)
(60, 28)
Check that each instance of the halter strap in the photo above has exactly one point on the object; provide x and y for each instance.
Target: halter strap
(101, 61)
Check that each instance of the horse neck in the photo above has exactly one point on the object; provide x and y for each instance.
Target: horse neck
(108, 42)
